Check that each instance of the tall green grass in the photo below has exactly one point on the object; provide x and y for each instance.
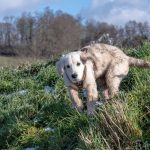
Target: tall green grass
(46, 121)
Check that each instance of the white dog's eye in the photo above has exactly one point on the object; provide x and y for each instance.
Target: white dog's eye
(68, 66)
(78, 64)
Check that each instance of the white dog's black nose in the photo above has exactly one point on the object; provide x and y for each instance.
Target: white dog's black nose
(74, 75)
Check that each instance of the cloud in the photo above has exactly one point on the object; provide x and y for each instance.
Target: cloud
(16, 7)
(111, 11)
(118, 11)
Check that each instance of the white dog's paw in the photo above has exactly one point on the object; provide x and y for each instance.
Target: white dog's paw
(99, 103)
(78, 108)
(91, 106)
(91, 112)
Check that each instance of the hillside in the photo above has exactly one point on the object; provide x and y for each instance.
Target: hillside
(36, 111)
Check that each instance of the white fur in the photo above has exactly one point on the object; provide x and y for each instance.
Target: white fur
(71, 64)
(72, 59)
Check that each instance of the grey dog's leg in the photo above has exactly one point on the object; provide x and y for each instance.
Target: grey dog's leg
(114, 86)
(76, 101)
(103, 86)
(92, 98)
(115, 75)
(106, 93)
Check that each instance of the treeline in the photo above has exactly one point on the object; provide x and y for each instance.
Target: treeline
(48, 33)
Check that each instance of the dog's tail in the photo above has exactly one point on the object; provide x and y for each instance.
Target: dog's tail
(139, 63)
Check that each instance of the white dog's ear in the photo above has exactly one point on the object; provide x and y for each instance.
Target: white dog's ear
(60, 65)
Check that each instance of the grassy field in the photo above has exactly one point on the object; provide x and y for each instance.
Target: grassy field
(35, 112)
(15, 61)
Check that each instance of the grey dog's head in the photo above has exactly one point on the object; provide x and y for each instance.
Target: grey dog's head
(72, 66)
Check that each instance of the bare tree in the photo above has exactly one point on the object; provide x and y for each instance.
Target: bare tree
(48, 33)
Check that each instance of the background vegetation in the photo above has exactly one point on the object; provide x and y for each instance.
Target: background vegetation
(47, 33)
(36, 111)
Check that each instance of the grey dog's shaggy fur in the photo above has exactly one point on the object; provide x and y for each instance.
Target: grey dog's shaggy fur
(106, 64)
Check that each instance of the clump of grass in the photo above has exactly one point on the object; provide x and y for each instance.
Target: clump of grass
(114, 128)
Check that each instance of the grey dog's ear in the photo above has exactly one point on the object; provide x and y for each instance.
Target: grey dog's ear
(60, 65)
(85, 54)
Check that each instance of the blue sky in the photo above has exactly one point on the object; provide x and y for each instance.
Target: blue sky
(111, 11)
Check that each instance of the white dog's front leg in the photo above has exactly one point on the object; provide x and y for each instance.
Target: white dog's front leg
(76, 101)
(91, 87)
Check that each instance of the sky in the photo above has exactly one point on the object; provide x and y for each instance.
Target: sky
(112, 11)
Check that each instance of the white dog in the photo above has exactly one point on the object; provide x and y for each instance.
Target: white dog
(103, 63)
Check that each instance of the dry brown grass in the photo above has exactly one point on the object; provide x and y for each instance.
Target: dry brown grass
(114, 127)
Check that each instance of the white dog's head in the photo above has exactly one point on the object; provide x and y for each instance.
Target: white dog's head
(72, 66)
